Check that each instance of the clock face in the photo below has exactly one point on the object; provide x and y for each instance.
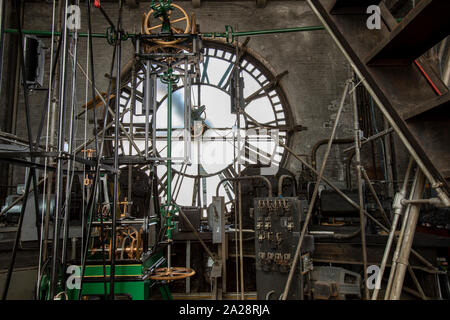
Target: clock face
(215, 149)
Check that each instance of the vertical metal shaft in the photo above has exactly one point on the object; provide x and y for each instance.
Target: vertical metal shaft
(130, 148)
(69, 162)
(147, 95)
(59, 169)
(116, 163)
(314, 195)
(400, 239)
(239, 195)
(52, 116)
(169, 165)
(2, 37)
(407, 240)
(362, 218)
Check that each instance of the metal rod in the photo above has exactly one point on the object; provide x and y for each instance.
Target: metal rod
(116, 154)
(130, 149)
(314, 195)
(147, 96)
(69, 179)
(362, 218)
(237, 103)
(375, 197)
(51, 141)
(169, 165)
(2, 38)
(204, 34)
(371, 138)
(432, 201)
(400, 239)
(416, 283)
(59, 172)
(260, 32)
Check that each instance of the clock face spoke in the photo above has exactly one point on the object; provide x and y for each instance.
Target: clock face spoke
(205, 78)
(224, 81)
(215, 153)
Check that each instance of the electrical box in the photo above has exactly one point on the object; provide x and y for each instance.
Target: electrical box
(278, 224)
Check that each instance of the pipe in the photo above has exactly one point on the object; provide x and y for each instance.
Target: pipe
(371, 138)
(399, 241)
(322, 142)
(375, 197)
(69, 179)
(205, 34)
(314, 195)
(259, 32)
(2, 38)
(360, 190)
(59, 173)
(267, 181)
(431, 201)
(44, 33)
(280, 185)
(116, 155)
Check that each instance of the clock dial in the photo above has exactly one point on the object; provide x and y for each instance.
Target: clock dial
(214, 152)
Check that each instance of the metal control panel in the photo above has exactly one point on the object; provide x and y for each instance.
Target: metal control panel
(278, 223)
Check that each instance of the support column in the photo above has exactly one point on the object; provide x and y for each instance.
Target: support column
(407, 241)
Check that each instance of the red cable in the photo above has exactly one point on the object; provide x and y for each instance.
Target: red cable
(428, 78)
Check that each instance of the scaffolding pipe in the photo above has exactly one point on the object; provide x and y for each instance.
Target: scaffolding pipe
(399, 240)
(407, 241)
(360, 190)
(397, 208)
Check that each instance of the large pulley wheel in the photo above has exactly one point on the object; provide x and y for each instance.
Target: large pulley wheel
(170, 274)
(179, 24)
